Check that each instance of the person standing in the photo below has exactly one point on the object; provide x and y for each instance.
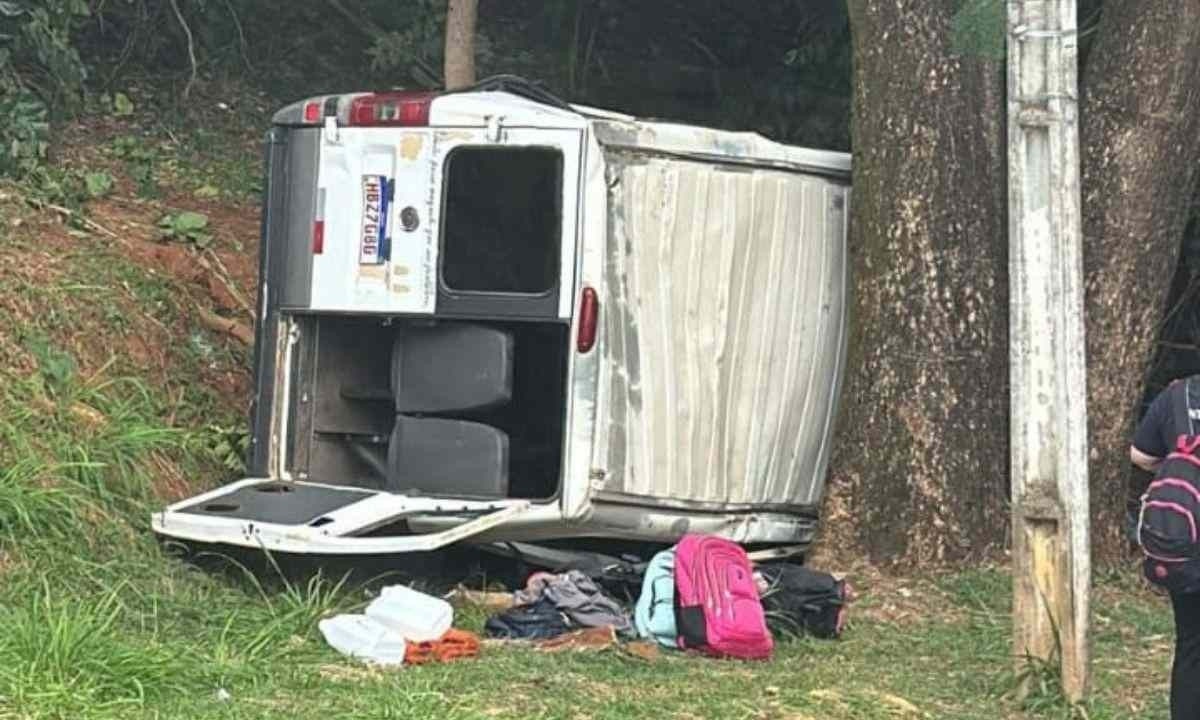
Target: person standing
(1173, 416)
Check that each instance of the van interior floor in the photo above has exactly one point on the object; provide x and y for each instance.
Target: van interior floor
(277, 502)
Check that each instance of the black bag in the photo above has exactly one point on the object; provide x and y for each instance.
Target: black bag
(1170, 508)
(799, 600)
(538, 621)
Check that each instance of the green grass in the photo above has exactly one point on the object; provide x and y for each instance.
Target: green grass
(98, 623)
(169, 655)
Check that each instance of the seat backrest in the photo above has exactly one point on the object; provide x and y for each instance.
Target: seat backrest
(451, 367)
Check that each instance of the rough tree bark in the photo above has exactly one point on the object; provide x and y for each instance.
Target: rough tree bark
(460, 43)
(921, 459)
(1141, 151)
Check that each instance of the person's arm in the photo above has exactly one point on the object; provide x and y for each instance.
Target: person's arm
(1145, 461)
(1149, 444)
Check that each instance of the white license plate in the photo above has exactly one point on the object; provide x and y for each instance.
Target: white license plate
(373, 240)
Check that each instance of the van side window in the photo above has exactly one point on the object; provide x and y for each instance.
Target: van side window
(502, 220)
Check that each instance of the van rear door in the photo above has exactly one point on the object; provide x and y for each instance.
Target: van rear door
(376, 253)
(422, 221)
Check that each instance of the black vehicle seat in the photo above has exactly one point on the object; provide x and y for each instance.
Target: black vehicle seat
(442, 456)
(451, 367)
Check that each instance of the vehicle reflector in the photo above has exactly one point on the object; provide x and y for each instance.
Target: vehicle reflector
(408, 109)
(589, 316)
(318, 237)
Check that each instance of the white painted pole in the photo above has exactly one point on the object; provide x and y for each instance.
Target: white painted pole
(1051, 561)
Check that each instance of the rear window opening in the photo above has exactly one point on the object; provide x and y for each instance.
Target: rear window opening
(502, 220)
(446, 409)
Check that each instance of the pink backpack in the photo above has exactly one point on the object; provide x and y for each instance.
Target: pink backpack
(719, 611)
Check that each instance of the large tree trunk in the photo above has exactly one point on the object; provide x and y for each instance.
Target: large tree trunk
(1141, 149)
(460, 43)
(921, 460)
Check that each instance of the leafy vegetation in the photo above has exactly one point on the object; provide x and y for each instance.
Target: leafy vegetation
(25, 139)
(40, 70)
(98, 184)
(186, 226)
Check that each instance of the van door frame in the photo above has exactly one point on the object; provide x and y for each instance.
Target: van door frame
(503, 305)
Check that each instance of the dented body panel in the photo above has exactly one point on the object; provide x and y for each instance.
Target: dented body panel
(724, 334)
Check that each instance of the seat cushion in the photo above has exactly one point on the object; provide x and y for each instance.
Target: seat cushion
(455, 458)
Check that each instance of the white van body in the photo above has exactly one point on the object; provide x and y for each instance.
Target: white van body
(670, 362)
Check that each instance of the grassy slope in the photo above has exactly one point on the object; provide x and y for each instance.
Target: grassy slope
(107, 388)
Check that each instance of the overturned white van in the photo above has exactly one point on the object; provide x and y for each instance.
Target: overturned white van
(490, 315)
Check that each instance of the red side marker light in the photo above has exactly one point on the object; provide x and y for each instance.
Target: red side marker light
(318, 237)
(318, 234)
(312, 113)
(589, 317)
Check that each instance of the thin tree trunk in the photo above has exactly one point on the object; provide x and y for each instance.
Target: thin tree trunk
(460, 43)
(1141, 150)
(920, 466)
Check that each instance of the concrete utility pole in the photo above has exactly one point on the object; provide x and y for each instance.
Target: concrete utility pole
(1051, 561)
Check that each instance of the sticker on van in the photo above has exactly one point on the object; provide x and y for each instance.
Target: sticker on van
(373, 243)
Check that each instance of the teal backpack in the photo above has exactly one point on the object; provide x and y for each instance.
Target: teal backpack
(654, 614)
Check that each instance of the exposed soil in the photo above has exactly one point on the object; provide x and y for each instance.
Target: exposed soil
(127, 295)
(220, 278)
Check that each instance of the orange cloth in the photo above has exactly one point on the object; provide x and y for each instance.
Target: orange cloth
(454, 645)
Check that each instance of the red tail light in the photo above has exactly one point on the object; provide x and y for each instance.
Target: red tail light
(409, 109)
(312, 113)
(589, 317)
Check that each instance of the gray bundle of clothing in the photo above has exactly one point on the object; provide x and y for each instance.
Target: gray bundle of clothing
(578, 597)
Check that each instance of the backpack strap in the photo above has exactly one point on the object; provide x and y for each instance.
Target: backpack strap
(1192, 402)
(1183, 405)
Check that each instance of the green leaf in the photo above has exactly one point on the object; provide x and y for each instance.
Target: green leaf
(56, 366)
(122, 105)
(207, 192)
(98, 184)
(189, 222)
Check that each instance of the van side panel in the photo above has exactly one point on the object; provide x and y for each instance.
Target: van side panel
(725, 323)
